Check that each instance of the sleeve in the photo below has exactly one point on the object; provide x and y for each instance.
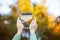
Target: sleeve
(16, 37)
(33, 37)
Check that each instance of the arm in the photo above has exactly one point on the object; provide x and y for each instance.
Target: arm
(16, 37)
(33, 36)
(20, 27)
(33, 28)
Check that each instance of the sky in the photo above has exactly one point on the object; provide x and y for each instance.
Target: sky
(53, 6)
(5, 6)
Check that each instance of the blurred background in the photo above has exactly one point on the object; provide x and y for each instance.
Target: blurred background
(48, 30)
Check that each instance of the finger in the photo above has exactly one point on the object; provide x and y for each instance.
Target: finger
(19, 23)
(18, 20)
(35, 21)
(36, 26)
(33, 26)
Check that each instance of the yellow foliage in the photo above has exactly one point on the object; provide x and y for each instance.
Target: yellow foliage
(56, 31)
(51, 21)
(24, 5)
(41, 8)
(38, 10)
(14, 12)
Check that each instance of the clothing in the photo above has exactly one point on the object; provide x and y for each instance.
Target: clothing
(18, 37)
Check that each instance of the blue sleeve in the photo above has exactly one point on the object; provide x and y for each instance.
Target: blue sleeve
(33, 37)
(16, 37)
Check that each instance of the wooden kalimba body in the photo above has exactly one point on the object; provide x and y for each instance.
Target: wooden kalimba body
(26, 32)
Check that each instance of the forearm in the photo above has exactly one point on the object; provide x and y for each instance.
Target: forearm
(33, 36)
(16, 37)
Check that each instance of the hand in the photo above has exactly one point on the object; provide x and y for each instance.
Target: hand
(20, 26)
(33, 26)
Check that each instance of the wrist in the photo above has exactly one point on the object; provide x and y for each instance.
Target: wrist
(32, 32)
(19, 32)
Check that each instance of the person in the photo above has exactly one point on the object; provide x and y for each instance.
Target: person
(20, 27)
